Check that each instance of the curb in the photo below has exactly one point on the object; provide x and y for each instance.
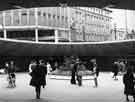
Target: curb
(58, 77)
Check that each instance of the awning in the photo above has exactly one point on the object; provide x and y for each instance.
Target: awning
(10, 47)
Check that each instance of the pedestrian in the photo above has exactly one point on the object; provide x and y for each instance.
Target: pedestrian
(55, 65)
(96, 72)
(73, 74)
(6, 67)
(115, 70)
(89, 65)
(79, 73)
(11, 75)
(49, 68)
(32, 65)
(122, 67)
(128, 80)
(74, 71)
(38, 77)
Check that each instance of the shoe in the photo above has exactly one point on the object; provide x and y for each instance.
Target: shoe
(128, 100)
(38, 97)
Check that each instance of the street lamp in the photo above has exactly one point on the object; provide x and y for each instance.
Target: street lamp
(115, 31)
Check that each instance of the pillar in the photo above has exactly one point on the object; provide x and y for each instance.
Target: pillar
(36, 24)
(69, 23)
(36, 34)
(28, 16)
(36, 17)
(5, 33)
(56, 36)
(20, 16)
(4, 23)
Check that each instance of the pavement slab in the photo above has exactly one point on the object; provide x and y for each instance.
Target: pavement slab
(108, 90)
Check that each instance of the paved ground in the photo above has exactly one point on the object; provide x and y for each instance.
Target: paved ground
(62, 91)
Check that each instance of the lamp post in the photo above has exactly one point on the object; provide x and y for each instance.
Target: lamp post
(3, 25)
(126, 22)
(115, 31)
(36, 24)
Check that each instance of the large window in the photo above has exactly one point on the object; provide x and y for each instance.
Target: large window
(31, 17)
(22, 35)
(7, 18)
(24, 17)
(16, 20)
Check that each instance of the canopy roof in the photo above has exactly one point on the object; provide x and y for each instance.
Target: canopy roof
(29, 48)
(13, 4)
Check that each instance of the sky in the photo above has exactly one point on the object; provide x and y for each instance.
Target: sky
(119, 18)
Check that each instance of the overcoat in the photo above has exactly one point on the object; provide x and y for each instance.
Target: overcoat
(38, 76)
(128, 80)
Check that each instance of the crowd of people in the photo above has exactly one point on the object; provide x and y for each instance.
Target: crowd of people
(77, 71)
(127, 69)
(38, 70)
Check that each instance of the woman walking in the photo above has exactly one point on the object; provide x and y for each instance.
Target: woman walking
(38, 77)
(96, 73)
(128, 80)
(11, 75)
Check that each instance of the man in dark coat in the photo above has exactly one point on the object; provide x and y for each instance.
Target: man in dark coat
(39, 77)
(74, 70)
(73, 74)
(90, 66)
(128, 80)
(115, 70)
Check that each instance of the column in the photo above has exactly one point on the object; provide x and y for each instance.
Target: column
(28, 16)
(5, 33)
(20, 16)
(4, 30)
(56, 36)
(69, 23)
(36, 34)
(36, 16)
(36, 24)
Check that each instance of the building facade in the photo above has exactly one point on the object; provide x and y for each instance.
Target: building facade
(91, 24)
(56, 23)
(130, 35)
(118, 34)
